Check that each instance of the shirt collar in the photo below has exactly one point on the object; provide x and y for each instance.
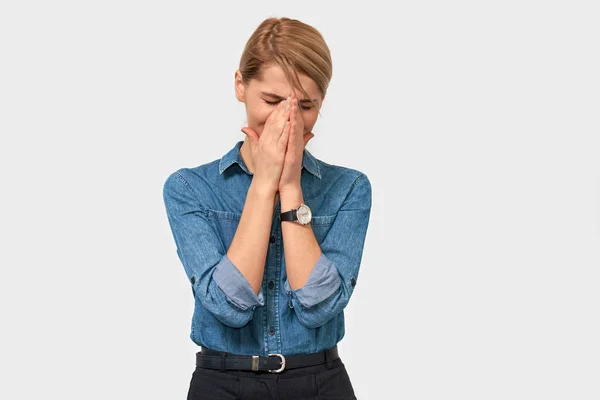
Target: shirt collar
(309, 162)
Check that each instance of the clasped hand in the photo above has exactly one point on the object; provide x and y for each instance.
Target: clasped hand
(277, 153)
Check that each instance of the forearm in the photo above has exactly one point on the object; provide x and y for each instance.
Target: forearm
(301, 249)
(248, 249)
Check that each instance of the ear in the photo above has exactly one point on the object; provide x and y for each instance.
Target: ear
(239, 86)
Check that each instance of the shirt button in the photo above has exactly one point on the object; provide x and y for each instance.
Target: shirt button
(271, 284)
(353, 282)
(272, 239)
(271, 331)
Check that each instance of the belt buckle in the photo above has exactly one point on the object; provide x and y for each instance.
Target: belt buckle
(276, 371)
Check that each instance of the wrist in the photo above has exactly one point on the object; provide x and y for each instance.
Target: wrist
(290, 189)
(290, 198)
(262, 188)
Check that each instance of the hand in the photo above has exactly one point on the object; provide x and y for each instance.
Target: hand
(292, 165)
(268, 150)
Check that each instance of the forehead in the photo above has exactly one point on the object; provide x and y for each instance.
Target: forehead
(274, 81)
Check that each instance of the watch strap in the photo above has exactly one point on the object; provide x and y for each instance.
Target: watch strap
(288, 215)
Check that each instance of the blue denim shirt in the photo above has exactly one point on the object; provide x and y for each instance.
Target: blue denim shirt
(204, 205)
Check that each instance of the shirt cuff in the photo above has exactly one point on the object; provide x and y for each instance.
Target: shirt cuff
(323, 281)
(235, 285)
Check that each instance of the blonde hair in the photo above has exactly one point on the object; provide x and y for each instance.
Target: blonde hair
(294, 46)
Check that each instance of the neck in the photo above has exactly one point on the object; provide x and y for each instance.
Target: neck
(246, 153)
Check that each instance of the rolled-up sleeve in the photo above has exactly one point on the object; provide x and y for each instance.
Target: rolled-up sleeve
(215, 280)
(333, 278)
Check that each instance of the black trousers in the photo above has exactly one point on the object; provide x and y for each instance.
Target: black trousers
(325, 381)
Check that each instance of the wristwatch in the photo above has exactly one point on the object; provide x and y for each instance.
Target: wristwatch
(301, 215)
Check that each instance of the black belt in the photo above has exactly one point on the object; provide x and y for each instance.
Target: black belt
(276, 363)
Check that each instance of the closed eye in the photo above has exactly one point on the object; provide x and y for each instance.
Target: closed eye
(273, 103)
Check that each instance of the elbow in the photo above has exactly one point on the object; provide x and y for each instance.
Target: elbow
(314, 321)
(234, 318)
(321, 299)
(229, 311)
(320, 314)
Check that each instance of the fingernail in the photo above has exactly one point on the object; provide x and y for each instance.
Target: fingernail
(287, 107)
(289, 99)
(286, 125)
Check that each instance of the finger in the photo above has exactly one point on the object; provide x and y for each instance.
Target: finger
(298, 118)
(284, 111)
(293, 116)
(284, 118)
(278, 118)
(283, 139)
(253, 136)
(275, 113)
(292, 133)
(285, 114)
(298, 124)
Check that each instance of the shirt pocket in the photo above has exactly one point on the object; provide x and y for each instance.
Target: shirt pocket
(321, 224)
(225, 223)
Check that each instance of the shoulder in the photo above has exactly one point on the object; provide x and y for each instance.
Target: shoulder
(351, 185)
(192, 178)
(347, 176)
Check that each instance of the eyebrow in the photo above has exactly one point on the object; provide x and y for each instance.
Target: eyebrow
(283, 98)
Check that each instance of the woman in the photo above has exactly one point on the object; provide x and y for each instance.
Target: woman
(270, 237)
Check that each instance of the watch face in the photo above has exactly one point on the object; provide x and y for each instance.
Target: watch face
(304, 214)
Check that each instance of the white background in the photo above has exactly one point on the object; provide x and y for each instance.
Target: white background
(476, 122)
